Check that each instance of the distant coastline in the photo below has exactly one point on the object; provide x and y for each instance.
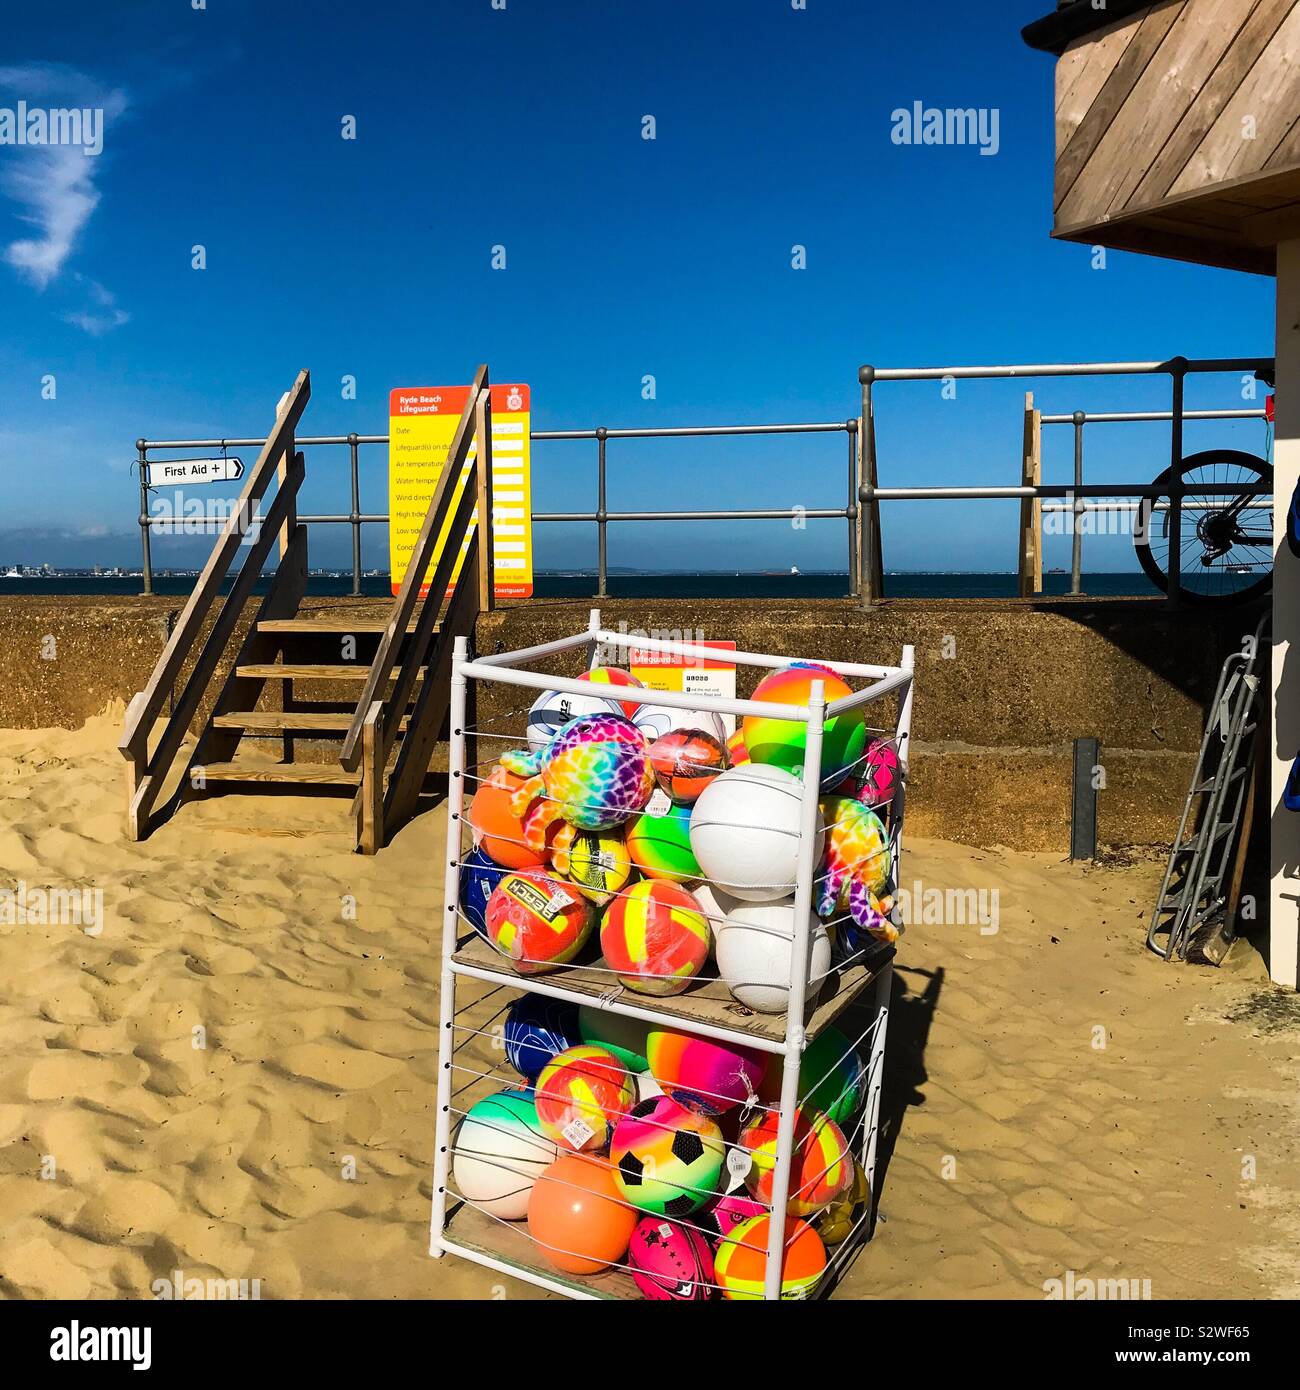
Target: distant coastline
(625, 583)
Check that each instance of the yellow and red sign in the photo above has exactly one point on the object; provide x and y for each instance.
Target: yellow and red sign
(421, 425)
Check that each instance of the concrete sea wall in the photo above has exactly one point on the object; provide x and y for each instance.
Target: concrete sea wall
(1003, 688)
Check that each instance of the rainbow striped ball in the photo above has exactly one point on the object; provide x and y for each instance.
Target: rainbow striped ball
(582, 1094)
(670, 1262)
(667, 1160)
(822, 1165)
(781, 742)
(660, 846)
(740, 1261)
(702, 1075)
(655, 938)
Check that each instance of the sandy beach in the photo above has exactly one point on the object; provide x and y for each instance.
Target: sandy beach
(235, 1078)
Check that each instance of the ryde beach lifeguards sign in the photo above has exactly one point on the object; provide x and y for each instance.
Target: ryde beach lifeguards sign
(421, 424)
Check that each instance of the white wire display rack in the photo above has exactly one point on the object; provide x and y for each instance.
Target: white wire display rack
(478, 984)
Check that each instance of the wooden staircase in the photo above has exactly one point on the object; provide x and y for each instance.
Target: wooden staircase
(385, 735)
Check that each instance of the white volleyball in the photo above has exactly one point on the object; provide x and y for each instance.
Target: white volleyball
(500, 1150)
(755, 948)
(655, 721)
(714, 903)
(553, 709)
(745, 832)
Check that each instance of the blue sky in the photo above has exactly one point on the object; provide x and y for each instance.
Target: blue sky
(626, 257)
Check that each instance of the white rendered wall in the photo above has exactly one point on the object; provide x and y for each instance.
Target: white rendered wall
(1284, 898)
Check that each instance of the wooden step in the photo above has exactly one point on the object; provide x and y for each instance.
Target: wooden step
(282, 721)
(289, 671)
(330, 624)
(297, 774)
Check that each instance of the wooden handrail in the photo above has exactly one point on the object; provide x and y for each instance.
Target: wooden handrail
(147, 706)
(395, 633)
(153, 770)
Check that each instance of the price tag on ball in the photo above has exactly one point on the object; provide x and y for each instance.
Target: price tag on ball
(659, 803)
(577, 1132)
(739, 1162)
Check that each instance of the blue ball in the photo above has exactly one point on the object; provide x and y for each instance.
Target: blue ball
(537, 1028)
(479, 875)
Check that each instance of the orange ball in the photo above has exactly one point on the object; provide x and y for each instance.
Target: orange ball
(578, 1217)
(497, 830)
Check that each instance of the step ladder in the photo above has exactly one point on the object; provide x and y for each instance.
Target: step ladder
(1192, 916)
(378, 688)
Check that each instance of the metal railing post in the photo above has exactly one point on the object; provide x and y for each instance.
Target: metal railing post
(602, 569)
(1178, 369)
(1076, 546)
(146, 553)
(355, 518)
(851, 508)
(866, 485)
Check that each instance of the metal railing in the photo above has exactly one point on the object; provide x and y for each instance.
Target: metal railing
(864, 495)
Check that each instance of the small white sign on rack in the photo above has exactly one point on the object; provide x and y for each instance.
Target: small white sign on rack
(691, 675)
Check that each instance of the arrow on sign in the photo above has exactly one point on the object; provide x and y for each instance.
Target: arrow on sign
(174, 472)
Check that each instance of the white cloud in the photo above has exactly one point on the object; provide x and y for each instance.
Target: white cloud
(54, 186)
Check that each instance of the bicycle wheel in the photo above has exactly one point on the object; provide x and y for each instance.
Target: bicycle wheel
(1225, 543)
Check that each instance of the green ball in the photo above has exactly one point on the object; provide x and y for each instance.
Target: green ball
(832, 1076)
(660, 846)
(625, 1037)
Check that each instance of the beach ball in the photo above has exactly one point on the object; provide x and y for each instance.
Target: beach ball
(554, 708)
(737, 753)
(593, 774)
(755, 950)
(724, 1213)
(625, 1037)
(740, 1260)
(498, 827)
(667, 1160)
(660, 845)
(670, 1262)
(821, 1166)
(582, 1093)
(479, 875)
(615, 676)
(686, 761)
(655, 938)
(536, 1028)
(498, 1153)
(832, 1077)
(539, 922)
(856, 849)
(835, 1224)
(781, 742)
(745, 832)
(879, 773)
(655, 721)
(597, 863)
(577, 1217)
(702, 1074)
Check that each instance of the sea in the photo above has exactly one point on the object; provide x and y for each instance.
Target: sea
(625, 585)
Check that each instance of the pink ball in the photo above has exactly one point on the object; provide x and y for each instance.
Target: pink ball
(729, 1210)
(880, 773)
(670, 1262)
